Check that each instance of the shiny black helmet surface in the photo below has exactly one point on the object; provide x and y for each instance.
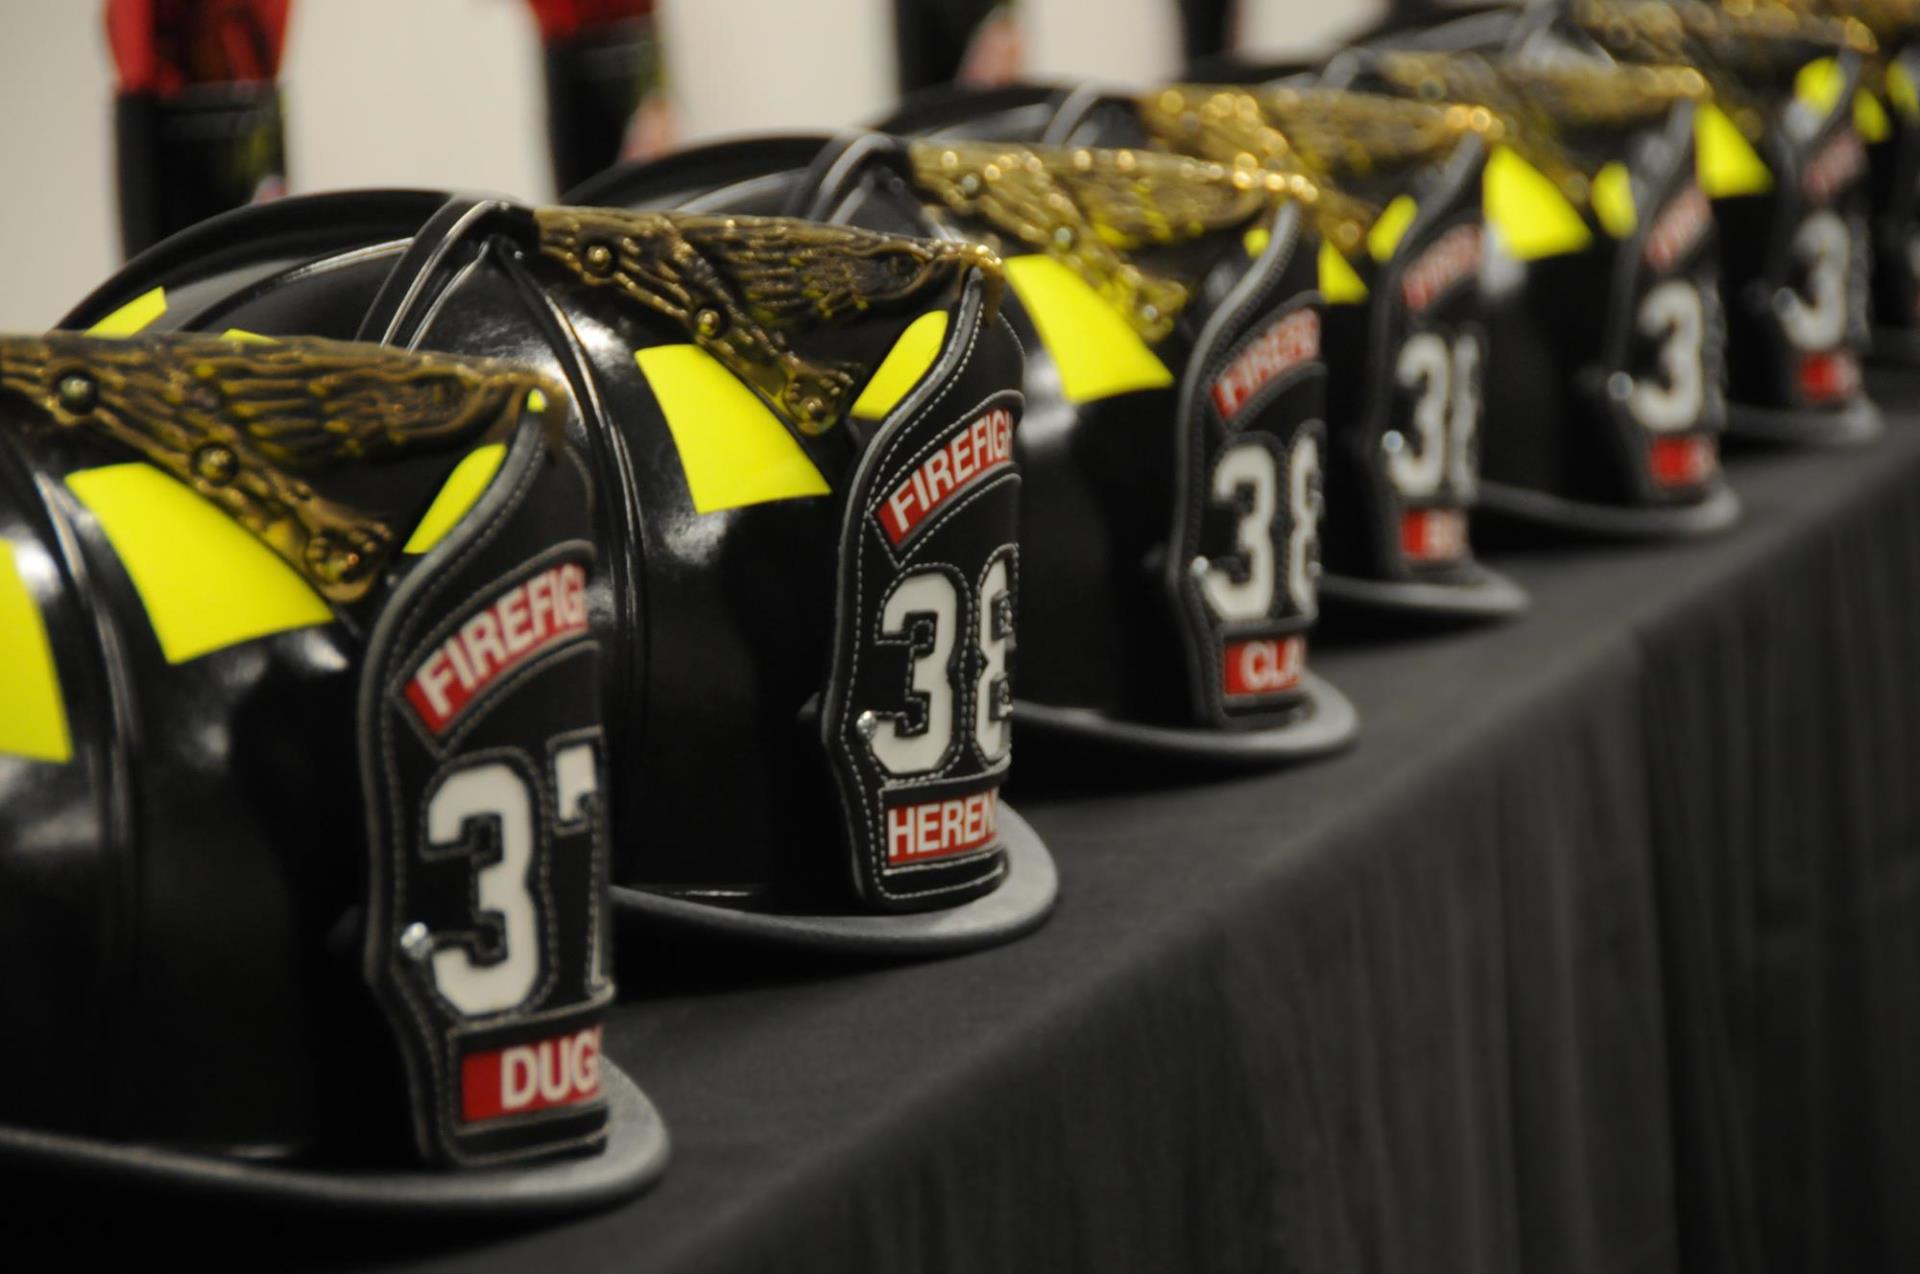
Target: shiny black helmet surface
(1784, 162)
(798, 440)
(1885, 110)
(1172, 459)
(1606, 361)
(1889, 123)
(1398, 268)
(321, 916)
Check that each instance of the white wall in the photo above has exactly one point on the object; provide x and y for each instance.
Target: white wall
(58, 222)
(447, 93)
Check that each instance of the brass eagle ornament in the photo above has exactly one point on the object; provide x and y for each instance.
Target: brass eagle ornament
(1090, 209)
(737, 284)
(251, 425)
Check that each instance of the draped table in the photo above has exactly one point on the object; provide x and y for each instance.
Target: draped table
(1599, 952)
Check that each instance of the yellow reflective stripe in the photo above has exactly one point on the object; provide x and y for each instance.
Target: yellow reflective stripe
(732, 449)
(135, 316)
(1255, 241)
(205, 581)
(461, 491)
(1612, 198)
(903, 366)
(1870, 118)
(1391, 226)
(1726, 161)
(33, 716)
(1339, 283)
(1533, 218)
(251, 338)
(1819, 84)
(1098, 353)
(1902, 92)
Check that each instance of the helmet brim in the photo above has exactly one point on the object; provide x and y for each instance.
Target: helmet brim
(1854, 425)
(1329, 724)
(1720, 510)
(1896, 346)
(633, 1158)
(1018, 905)
(1482, 594)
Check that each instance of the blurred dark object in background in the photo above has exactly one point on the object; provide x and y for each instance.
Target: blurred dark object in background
(977, 43)
(1209, 28)
(197, 123)
(606, 85)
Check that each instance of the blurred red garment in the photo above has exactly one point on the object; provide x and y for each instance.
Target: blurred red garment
(564, 19)
(162, 46)
(197, 124)
(606, 85)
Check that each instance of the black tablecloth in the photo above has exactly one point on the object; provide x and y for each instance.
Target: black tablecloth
(1598, 953)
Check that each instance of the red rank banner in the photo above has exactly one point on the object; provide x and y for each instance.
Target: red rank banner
(983, 446)
(1285, 344)
(1257, 666)
(539, 1075)
(533, 616)
(942, 828)
(1683, 462)
(1835, 166)
(1680, 225)
(1433, 535)
(1453, 259)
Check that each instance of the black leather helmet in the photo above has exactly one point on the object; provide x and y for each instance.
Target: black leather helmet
(1605, 373)
(1175, 395)
(799, 445)
(289, 908)
(1786, 168)
(1399, 265)
(1886, 114)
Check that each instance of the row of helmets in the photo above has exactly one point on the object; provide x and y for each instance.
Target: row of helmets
(685, 556)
